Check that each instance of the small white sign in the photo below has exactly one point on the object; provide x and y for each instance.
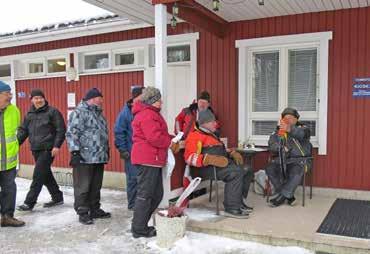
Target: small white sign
(71, 100)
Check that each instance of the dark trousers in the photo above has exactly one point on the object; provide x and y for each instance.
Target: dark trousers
(8, 191)
(42, 175)
(287, 186)
(149, 196)
(237, 182)
(87, 183)
(131, 183)
(247, 179)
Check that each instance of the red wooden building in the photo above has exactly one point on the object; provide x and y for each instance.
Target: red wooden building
(253, 59)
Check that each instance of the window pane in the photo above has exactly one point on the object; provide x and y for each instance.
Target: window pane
(178, 54)
(266, 82)
(57, 65)
(36, 67)
(100, 61)
(125, 59)
(5, 70)
(311, 125)
(263, 127)
(302, 79)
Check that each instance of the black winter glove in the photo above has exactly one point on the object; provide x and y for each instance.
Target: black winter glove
(125, 155)
(76, 159)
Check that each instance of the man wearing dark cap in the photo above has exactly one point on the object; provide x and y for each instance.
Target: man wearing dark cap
(185, 120)
(87, 139)
(45, 129)
(206, 155)
(123, 142)
(9, 122)
(290, 148)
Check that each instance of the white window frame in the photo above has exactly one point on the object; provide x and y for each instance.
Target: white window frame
(35, 61)
(169, 45)
(54, 58)
(96, 69)
(282, 93)
(6, 77)
(248, 47)
(179, 62)
(125, 66)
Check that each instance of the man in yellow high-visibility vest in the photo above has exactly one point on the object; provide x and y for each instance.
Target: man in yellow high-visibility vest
(9, 122)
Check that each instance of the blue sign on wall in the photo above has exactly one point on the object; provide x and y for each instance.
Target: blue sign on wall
(361, 79)
(361, 88)
(361, 93)
(21, 95)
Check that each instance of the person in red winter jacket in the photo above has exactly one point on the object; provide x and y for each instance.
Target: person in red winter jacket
(151, 141)
(186, 119)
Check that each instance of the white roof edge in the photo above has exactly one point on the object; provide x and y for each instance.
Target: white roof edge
(74, 32)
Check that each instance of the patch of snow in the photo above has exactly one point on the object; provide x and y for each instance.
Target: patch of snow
(207, 244)
(198, 214)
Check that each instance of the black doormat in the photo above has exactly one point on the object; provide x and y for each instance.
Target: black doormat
(347, 217)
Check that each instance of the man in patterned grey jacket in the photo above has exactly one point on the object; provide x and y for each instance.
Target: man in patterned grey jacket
(87, 138)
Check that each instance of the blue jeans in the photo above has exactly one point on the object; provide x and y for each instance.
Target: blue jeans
(131, 183)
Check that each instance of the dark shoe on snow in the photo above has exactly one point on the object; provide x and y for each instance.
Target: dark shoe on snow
(278, 201)
(85, 219)
(25, 207)
(245, 208)
(273, 199)
(53, 203)
(292, 201)
(235, 213)
(9, 221)
(151, 232)
(99, 214)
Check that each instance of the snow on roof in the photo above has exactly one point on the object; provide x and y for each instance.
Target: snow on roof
(63, 25)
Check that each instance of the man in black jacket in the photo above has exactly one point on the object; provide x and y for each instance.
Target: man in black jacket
(291, 152)
(44, 126)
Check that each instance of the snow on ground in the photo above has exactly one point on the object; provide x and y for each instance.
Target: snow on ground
(57, 230)
(208, 244)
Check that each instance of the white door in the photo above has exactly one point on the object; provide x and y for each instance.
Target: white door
(180, 90)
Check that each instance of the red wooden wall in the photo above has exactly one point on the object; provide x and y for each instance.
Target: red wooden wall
(346, 165)
(115, 89)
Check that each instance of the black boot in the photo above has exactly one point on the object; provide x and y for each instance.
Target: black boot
(278, 201)
(235, 213)
(99, 214)
(150, 232)
(25, 207)
(292, 201)
(85, 219)
(53, 203)
(246, 208)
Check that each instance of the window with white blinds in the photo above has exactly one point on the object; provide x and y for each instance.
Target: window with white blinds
(280, 78)
(302, 79)
(283, 71)
(266, 82)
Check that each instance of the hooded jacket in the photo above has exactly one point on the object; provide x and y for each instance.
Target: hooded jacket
(151, 139)
(87, 132)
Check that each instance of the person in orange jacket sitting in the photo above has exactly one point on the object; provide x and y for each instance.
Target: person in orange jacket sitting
(205, 152)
